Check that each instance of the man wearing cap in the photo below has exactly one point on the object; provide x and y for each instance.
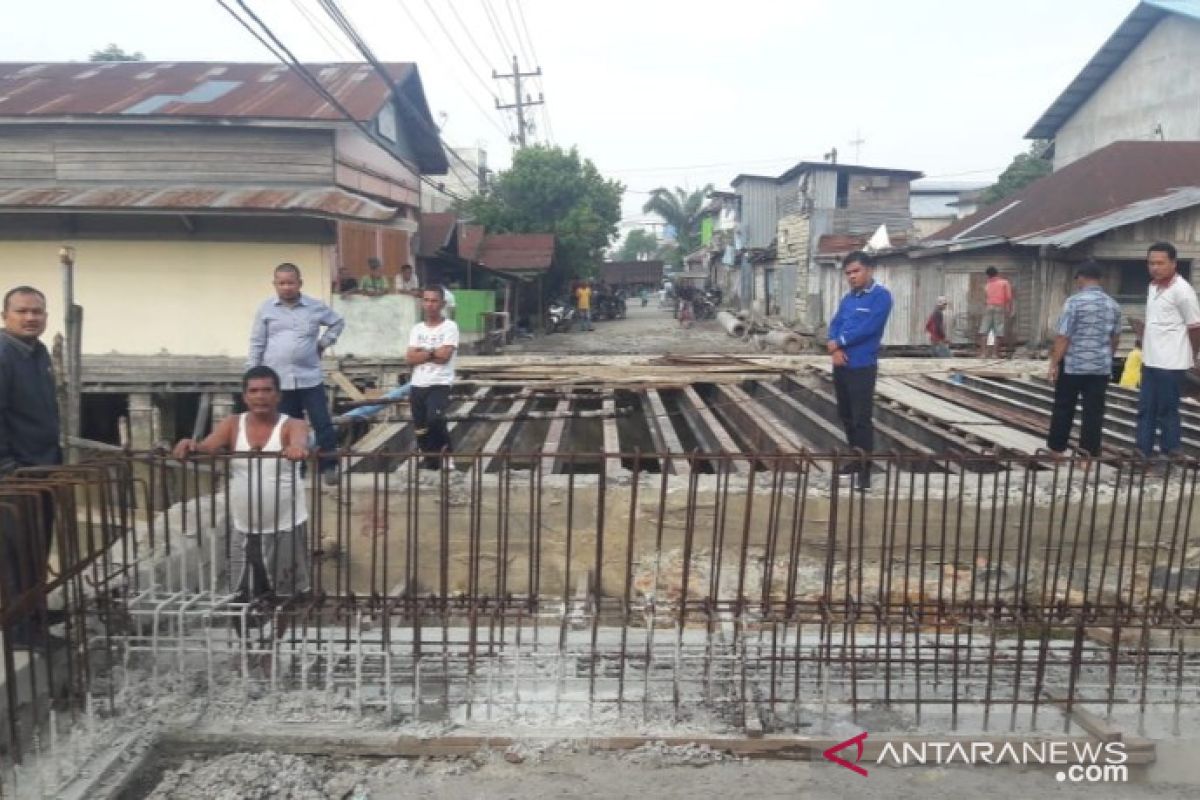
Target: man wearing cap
(1081, 361)
(375, 283)
(935, 326)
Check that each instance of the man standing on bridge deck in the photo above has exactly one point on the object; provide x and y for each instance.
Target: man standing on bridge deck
(1081, 361)
(287, 337)
(29, 437)
(855, 336)
(1170, 339)
(431, 348)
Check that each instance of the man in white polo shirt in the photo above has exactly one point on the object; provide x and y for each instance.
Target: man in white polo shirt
(431, 348)
(1170, 340)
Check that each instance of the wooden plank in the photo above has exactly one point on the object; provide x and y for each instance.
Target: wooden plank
(663, 432)
(715, 429)
(554, 436)
(380, 435)
(772, 435)
(612, 439)
(496, 443)
(346, 385)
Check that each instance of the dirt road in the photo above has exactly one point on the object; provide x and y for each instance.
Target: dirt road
(646, 331)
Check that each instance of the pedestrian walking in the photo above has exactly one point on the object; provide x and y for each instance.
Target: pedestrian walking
(287, 337)
(29, 437)
(432, 345)
(997, 310)
(1170, 338)
(1081, 361)
(855, 336)
(935, 326)
(268, 508)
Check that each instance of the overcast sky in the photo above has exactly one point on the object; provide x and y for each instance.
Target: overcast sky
(666, 92)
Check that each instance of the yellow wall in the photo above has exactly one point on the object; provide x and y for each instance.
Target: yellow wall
(143, 298)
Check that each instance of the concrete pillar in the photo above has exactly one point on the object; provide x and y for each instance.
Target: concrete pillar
(145, 421)
(222, 407)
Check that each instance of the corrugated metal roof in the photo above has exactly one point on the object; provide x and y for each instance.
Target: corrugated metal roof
(1112, 53)
(1070, 235)
(517, 252)
(436, 229)
(199, 90)
(470, 238)
(1112, 178)
(329, 203)
(192, 89)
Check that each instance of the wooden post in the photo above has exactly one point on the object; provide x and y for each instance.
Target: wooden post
(72, 344)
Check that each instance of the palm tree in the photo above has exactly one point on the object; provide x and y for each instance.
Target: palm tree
(678, 208)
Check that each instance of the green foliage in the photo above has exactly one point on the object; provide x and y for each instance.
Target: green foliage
(639, 243)
(551, 190)
(115, 53)
(678, 208)
(1024, 170)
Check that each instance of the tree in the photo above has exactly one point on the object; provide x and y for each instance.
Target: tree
(1026, 168)
(639, 243)
(115, 53)
(678, 208)
(551, 190)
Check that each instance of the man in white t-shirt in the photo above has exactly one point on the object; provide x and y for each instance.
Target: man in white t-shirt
(1170, 340)
(431, 349)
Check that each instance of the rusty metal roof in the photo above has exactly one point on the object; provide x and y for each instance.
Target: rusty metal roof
(123, 90)
(517, 252)
(470, 238)
(192, 89)
(328, 203)
(436, 230)
(1119, 175)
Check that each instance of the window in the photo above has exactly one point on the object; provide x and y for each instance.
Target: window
(1133, 280)
(843, 190)
(387, 122)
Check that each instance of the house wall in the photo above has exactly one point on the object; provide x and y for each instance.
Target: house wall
(1156, 84)
(120, 154)
(758, 198)
(149, 297)
(793, 250)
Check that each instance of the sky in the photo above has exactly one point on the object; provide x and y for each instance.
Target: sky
(666, 92)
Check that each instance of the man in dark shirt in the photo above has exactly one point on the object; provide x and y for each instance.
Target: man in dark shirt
(29, 437)
(855, 336)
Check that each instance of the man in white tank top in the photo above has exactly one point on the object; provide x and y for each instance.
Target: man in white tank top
(432, 344)
(268, 507)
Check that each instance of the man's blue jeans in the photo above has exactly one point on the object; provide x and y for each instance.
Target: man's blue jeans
(310, 403)
(1158, 410)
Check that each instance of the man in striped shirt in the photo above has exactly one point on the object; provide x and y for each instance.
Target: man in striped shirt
(1081, 361)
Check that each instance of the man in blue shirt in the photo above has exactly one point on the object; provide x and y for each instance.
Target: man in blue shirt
(287, 337)
(855, 335)
(1081, 360)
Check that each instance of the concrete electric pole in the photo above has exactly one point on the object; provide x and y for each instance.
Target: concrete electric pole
(521, 102)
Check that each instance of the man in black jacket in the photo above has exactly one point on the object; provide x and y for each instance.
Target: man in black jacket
(29, 437)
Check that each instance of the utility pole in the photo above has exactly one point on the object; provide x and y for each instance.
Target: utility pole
(521, 102)
(857, 142)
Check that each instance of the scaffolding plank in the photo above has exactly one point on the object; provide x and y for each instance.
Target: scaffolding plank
(664, 432)
(769, 434)
(495, 442)
(612, 440)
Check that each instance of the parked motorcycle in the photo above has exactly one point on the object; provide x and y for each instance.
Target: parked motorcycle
(609, 306)
(706, 304)
(560, 317)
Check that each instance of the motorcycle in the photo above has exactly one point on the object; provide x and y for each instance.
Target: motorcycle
(609, 306)
(560, 317)
(706, 304)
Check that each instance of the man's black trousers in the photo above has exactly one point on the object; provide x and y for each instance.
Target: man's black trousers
(429, 405)
(1067, 391)
(855, 389)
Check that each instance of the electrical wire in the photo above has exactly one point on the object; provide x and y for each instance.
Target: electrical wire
(335, 46)
(277, 48)
(537, 63)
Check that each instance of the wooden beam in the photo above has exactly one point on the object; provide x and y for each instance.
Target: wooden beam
(612, 440)
(496, 443)
(664, 432)
(201, 424)
(713, 428)
(346, 385)
(554, 436)
(769, 433)
(380, 435)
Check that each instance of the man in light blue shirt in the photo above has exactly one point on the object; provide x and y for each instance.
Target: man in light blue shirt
(287, 337)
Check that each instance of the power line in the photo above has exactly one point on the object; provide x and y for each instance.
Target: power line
(536, 62)
(486, 114)
(347, 27)
(283, 54)
(336, 47)
(470, 36)
(517, 34)
(494, 21)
